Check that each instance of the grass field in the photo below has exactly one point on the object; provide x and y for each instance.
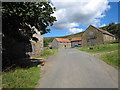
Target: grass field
(21, 78)
(111, 58)
(99, 48)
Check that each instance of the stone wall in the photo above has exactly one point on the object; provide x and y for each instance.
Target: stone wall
(92, 37)
(37, 47)
(64, 45)
(54, 43)
(108, 38)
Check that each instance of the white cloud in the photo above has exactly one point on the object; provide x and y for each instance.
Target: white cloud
(71, 13)
(113, 0)
(74, 30)
(102, 25)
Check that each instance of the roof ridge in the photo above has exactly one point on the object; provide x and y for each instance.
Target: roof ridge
(62, 39)
(76, 39)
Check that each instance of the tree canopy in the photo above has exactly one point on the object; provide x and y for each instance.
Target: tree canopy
(114, 29)
(18, 16)
(18, 20)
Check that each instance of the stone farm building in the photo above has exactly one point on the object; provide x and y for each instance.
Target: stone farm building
(37, 47)
(61, 43)
(95, 36)
(76, 41)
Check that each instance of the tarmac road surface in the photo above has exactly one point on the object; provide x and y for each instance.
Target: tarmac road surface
(71, 68)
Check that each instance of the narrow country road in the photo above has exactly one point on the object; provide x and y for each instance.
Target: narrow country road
(71, 68)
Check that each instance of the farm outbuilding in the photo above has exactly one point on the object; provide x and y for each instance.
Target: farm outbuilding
(61, 43)
(95, 36)
(37, 47)
(76, 41)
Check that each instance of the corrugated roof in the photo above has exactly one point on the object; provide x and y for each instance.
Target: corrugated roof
(76, 39)
(62, 40)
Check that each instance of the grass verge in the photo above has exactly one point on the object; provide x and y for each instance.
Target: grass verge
(21, 78)
(111, 58)
(25, 78)
(99, 48)
(48, 52)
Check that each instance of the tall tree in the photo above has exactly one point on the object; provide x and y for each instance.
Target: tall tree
(17, 16)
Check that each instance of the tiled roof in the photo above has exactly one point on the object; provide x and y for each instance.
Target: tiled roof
(76, 39)
(62, 40)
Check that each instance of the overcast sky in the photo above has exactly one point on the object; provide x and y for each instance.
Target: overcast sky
(76, 15)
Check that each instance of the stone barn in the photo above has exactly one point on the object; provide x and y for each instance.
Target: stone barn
(95, 36)
(37, 47)
(61, 43)
(76, 41)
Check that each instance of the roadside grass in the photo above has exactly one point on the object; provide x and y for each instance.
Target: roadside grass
(111, 58)
(48, 52)
(99, 48)
(0, 81)
(25, 78)
(21, 78)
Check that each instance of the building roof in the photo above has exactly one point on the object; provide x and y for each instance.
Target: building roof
(62, 40)
(76, 39)
(103, 31)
